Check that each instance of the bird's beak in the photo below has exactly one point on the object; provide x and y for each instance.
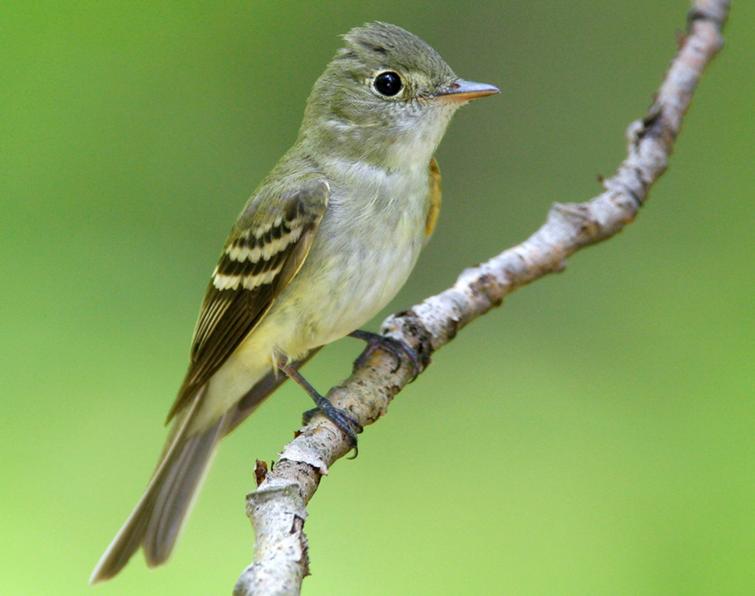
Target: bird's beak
(462, 91)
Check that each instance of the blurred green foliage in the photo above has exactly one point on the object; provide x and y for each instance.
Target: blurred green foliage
(594, 436)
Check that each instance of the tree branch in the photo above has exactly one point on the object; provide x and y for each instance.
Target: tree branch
(277, 509)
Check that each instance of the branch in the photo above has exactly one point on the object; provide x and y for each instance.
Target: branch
(277, 509)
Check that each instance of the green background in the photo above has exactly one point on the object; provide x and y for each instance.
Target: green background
(594, 436)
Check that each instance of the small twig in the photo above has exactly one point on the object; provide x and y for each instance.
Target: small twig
(277, 508)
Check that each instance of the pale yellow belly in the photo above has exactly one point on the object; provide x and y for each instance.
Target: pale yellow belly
(357, 264)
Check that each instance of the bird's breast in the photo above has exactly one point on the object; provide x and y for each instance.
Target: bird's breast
(366, 246)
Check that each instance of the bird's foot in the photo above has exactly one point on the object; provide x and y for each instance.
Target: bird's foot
(344, 421)
(396, 348)
(348, 425)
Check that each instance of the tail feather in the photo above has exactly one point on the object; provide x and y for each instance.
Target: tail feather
(156, 520)
(177, 493)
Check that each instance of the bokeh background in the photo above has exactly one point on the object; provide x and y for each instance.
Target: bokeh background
(594, 436)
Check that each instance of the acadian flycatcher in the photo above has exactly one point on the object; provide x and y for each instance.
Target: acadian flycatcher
(325, 242)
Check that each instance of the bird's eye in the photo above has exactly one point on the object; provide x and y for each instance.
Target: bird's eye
(388, 83)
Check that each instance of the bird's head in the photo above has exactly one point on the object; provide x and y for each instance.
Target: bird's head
(386, 97)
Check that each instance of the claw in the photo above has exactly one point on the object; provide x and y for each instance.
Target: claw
(396, 348)
(348, 425)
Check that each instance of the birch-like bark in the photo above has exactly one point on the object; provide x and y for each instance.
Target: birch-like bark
(277, 509)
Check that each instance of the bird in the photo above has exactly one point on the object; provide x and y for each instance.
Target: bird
(323, 244)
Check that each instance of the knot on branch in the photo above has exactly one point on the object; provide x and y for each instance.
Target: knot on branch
(577, 216)
(715, 11)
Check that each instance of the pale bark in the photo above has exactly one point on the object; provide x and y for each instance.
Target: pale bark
(277, 508)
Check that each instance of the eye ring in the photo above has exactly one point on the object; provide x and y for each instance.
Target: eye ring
(388, 83)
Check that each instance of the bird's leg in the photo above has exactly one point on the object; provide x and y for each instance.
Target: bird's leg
(396, 348)
(337, 416)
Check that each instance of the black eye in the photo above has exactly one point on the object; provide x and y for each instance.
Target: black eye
(388, 83)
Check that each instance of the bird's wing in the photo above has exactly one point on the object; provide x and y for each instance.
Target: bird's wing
(264, 251)
(435, 198)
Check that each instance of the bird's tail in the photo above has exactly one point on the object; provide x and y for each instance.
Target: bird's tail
(157, 518)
